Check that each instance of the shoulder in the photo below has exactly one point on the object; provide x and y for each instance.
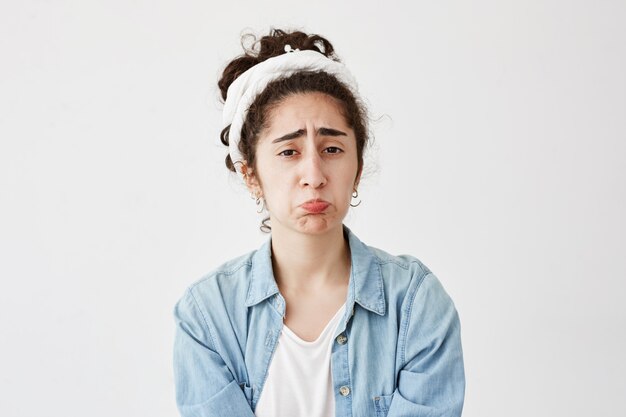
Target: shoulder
(398, 267)
(231, 271)
(418, 284)
(225, 284)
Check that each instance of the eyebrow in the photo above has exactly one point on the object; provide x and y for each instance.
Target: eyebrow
(322, 131)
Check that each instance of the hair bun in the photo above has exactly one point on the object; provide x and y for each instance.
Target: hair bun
(270, 46)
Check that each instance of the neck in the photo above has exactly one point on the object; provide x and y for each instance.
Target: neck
(304, 262)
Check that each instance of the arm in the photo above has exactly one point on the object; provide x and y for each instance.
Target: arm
(205, 387)
(431, 382)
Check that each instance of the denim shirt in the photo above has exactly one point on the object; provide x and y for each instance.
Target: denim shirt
(396, 352)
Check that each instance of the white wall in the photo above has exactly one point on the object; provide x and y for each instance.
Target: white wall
(499, 162)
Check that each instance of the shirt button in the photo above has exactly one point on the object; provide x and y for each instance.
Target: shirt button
(345, 391)
(342, 339)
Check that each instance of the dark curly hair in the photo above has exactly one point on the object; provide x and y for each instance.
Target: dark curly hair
(353, 110)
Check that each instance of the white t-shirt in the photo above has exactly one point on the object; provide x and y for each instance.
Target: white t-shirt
(299, 380)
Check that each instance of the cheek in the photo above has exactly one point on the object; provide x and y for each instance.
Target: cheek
(349, 174)
(275, 190)
(344, 191)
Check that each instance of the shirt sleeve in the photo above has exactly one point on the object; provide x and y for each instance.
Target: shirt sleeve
(431, 382)
(205, 386)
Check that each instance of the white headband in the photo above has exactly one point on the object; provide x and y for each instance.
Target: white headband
(244, 90)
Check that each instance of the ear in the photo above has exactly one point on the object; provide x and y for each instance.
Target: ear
(251, 180)
(357, 180)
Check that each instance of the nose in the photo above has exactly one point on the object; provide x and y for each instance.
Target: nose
(312, 174)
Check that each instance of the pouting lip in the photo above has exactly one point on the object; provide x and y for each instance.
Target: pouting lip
(316, 200)
(315, 206)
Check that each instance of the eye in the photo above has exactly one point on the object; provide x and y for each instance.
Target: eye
(333, 150)
(287, 152)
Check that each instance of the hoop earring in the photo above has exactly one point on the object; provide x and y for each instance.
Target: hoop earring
(355, 194)
(260, 202)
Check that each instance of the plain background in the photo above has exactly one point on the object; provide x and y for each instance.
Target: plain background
(498, 161)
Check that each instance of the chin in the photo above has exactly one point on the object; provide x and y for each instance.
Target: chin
(317, 224)
(311, 224)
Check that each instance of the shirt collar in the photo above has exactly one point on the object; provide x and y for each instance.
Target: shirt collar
(366, 280)
(365, 286)
(262, 282)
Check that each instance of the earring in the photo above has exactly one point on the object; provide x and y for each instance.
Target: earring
(260, 203)
(355, 194)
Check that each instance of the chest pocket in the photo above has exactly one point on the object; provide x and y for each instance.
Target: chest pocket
(381, 405)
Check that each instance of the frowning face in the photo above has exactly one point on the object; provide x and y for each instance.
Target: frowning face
(306, 164)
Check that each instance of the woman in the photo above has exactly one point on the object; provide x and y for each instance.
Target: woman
(315, 322)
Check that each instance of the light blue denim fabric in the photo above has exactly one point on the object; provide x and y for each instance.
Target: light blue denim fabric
(402, 356)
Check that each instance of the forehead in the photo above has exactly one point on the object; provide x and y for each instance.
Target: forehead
(299, 108)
